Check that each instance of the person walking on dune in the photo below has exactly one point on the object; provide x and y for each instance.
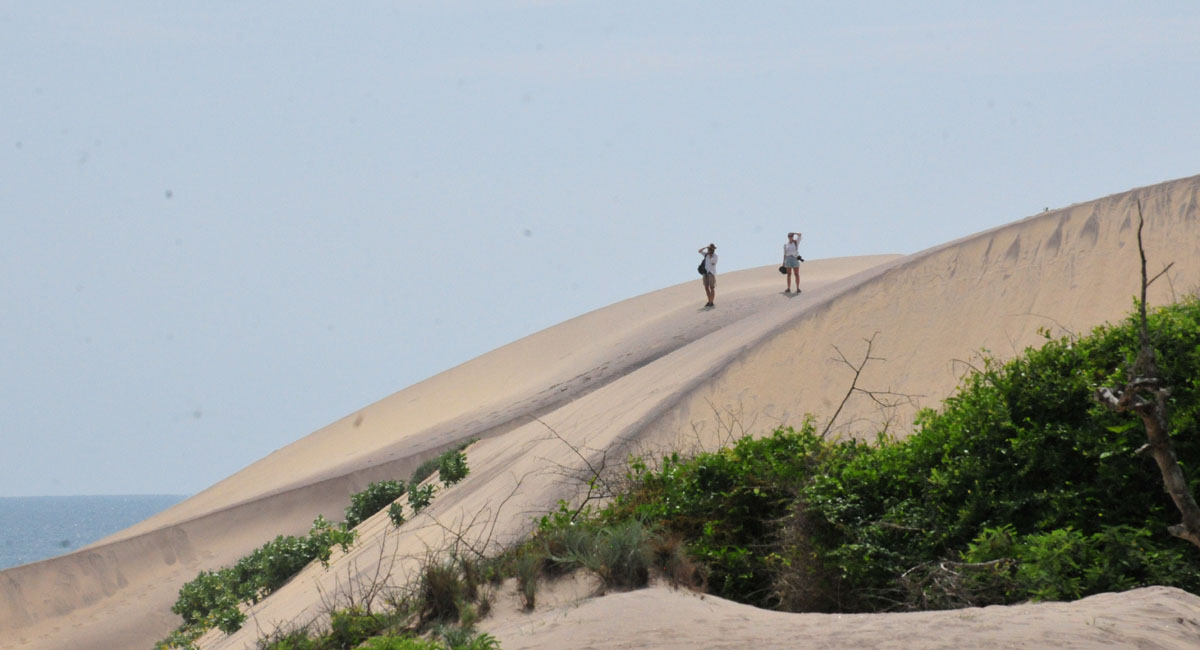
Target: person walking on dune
(710, 272)
(792, 259)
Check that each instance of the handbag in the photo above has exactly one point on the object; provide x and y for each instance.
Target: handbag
(701, 268)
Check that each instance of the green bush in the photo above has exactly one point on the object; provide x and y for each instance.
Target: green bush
(452, 467)
(396, 514)
(1022, 444)
(1065, 564)
(419, 497)
(427, 468)
(727, 506)
(293, 640)
(182, 638)
(376, 497)
(213, 598)
(350, 627)
(400, 643)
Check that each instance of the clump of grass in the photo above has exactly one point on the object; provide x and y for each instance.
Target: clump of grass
(567, 548)
(622, 555)
(668, 552)
(442, 592)
(529, 568)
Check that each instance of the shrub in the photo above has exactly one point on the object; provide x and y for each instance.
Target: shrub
(427, 468)
(726, 505)
(350, 627)
(291, 640)
(396, 514)
(213, 598)
(376, 497)
(452, 467)
(400, 643)
(1065, 564)
(182, 638)
(420, 497)
(1022, 444)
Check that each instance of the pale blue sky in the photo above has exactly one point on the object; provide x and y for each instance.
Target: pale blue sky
(224, 225)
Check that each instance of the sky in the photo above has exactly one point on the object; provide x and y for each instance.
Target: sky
(225, 225)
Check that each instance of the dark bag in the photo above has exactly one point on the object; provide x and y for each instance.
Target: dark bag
(701, 267)
(782, 270)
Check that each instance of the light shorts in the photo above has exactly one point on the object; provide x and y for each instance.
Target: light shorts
(710, 280)
(791, 261)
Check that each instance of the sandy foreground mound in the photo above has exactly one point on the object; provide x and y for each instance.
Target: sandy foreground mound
(649, 373)
(664, 618)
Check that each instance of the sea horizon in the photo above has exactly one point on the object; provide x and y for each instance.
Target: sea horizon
(35, 528)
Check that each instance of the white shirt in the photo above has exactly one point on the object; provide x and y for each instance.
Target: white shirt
(710, 263)
(790, 248)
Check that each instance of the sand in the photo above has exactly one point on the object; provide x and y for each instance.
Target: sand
(661, 617)
(647, 374)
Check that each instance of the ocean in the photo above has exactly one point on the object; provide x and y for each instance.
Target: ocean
(36, 528)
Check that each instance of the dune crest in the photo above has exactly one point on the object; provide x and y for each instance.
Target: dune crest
(651, 372)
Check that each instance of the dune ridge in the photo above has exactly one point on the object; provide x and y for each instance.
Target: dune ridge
(647, 373)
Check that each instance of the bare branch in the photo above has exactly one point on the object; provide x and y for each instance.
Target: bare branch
(879, 397)
(1146, 394)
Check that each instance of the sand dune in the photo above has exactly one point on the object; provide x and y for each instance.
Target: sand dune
(651, 372)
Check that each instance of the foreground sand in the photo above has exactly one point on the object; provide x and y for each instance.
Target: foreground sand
(664, 618)
(648, 373)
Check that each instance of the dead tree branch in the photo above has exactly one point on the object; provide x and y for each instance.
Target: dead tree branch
(1146, 395)
(884, 399)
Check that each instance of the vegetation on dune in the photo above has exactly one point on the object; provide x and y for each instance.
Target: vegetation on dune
(1022, 487)
(438, 612)
(376, 497)
(214, 599)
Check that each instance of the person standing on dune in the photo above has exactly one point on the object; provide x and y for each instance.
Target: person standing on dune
(792, 259)
(710, 272)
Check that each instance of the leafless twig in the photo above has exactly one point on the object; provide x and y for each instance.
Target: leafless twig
(889, 399)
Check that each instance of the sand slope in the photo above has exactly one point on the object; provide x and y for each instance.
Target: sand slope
(646, 373)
